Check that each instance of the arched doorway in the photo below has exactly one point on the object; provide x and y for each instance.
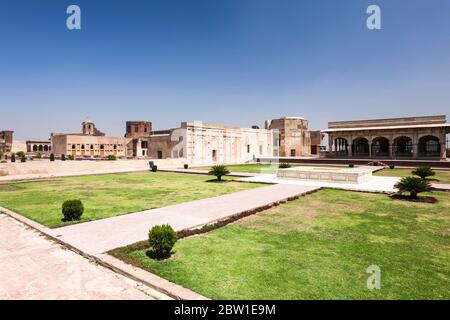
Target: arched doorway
(403, 147)
(341, 147)
(380, 147)
(429, 146)
(360, 147)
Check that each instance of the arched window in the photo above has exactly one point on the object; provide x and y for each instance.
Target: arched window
(102, 146)
(74, 146)
(115, 147)
(35, 148)
(92, 147)
(360, 147)
(41, 148)
(429, 146)
(82, 147)
(46, 148)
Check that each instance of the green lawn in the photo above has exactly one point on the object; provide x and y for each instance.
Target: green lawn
(317, 247)
(110, 194)
(250, 168)
(442, 176)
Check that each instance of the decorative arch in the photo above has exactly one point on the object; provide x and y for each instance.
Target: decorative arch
(360, 147)
(429, 146)
(380, 147)
(402, 147)
(341, 146)
(35, 148)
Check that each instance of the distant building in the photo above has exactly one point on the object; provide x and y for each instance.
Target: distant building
(291, 136)
(90, 143)
(6, 141)
(397, 138)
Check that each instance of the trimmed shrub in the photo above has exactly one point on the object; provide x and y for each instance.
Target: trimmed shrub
(63, 157)
(162, 239)
(72, 210)
(391, 166)
(351, 165)
(284, 165)
(154, 168)
(71, 157)
(38, 155)
(186, 166)
(413, 185)
(219, 171)
(423, 172)
(112, 157)
(20, 154)
(52, 157)
(23, 158)
(13, 157)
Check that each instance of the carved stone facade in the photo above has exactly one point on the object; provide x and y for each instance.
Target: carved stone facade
(398, 138)
(291, 136)
(6, 141)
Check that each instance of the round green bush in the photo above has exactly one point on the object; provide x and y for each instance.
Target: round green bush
(63, 157)
(154, 168)
(284, 165)
(391, 166)
(186, 166)
(112, 157)
(72, 210)
(423, 172)
(13, 157)
(23, 158)
(162, 239)
(52, 157)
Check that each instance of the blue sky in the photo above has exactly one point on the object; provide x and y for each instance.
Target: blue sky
(235, 62)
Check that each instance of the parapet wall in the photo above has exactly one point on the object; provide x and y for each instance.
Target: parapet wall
(45, 168)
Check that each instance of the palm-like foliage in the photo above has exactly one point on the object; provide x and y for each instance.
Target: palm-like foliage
(219, 171)
(413, 185)
(423, 172)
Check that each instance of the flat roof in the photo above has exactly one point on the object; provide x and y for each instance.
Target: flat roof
(388, 127)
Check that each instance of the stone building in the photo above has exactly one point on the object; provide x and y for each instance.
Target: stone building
(397, 138)
(138, 133)
(6, 141)
(35, 147)
(90, 143)
(291, 136)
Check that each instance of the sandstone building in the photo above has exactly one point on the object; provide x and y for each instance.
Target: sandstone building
(6, 141)
(292, 138)
(397, 138)
(89, 143)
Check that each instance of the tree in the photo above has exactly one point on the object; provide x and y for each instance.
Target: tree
(413, 185)
(423, 172)
(63, 157)
(52, 157)
(219, 171)
(13, 157)
(23, 158)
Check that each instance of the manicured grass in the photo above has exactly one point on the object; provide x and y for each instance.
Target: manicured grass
(110, 195)
(442, 176)
(317, 247)
(250, 168)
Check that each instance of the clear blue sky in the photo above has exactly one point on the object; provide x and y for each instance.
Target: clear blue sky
(235, 62)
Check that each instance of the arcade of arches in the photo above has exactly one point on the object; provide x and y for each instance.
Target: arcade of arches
(404, 138)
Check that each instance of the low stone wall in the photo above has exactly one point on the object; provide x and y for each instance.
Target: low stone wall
(76, 167)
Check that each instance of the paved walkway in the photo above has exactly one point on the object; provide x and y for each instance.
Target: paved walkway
(103, 235)
(441, 186)
(375, 184)
(34, 267)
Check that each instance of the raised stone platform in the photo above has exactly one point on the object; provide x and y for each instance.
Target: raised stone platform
(328, 174)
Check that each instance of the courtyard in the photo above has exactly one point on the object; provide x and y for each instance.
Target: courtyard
(110, 195)
(316, 247)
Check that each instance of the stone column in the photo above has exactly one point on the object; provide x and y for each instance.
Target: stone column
(443, 151)
(415, 150)
(350, 150)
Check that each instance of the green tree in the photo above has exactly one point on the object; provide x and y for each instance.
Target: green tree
(413, 185)
(13, 157)
(63, 157)
(219, 171)
(52, 157)
(423, 172)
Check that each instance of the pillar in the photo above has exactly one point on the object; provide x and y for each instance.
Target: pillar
(443, 151)
(350, 149)
(415, 150)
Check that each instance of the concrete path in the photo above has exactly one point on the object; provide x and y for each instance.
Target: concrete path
(103, 235)
(34, 267)
(375, 184)
(441, 186)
